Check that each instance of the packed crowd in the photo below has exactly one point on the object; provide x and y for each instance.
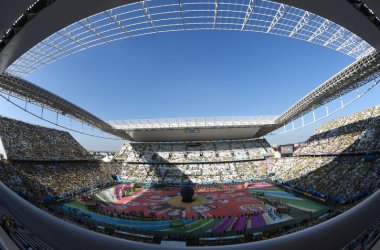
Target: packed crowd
(356, 133)
(202, 162)
(23, 141)
(43, 180)
(190, 152)
(49, 173)
(341, 176)
(200, 173)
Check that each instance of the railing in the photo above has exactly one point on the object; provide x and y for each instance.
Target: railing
(332, 234)
(6, 242)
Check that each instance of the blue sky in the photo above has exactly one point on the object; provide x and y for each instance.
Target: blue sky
(193, 73)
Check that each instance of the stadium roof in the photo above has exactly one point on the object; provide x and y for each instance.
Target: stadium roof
(193, 122)
(352, 77)
(85, 25)
(11, 12)
(29, 92)
(196, 128)
(41, 34)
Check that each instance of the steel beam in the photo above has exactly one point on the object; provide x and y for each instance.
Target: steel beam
(250, 9)
(25, 90)
(355, 75)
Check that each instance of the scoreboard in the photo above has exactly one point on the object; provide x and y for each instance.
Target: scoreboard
(287, 149)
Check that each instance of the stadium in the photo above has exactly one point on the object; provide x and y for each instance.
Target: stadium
(212, 182)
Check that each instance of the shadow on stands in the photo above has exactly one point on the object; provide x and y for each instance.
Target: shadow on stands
(343, 178)
(162, 168)
(169, 173)
(362, 125)
(191, 152)
(49, 181)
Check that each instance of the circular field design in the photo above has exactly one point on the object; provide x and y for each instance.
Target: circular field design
(168, 203)
(176, 201)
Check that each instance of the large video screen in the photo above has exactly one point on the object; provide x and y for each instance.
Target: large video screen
(287, 149)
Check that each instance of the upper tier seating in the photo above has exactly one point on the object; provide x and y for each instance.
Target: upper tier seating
(200, 173)
(45, 179)
(356, 133)
(190, 152)
(342, 176)
(23, 141)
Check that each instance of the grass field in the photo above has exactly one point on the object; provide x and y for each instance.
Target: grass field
(292, 200)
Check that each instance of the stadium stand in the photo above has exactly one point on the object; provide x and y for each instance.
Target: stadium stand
(317, 172)
(340, 163)
(351, 134)
(312, 171)
(341, 159)
(190, 152)
(343, 149)
(200, 173)
(27, 142)
(48, 180)
(343, 177)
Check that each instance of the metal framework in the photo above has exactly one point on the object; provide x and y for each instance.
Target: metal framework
(328, 112)
(194, 122)
(30, 93)
(152, 17)
(355, 75)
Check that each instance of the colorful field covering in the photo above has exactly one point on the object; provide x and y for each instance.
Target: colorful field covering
(167, 203)
(145, 225)
(212, 210)
(274, 192)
